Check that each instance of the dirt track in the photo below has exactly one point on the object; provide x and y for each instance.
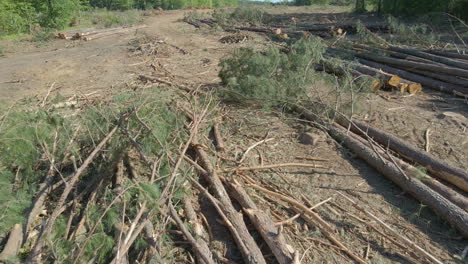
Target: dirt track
(190, 57)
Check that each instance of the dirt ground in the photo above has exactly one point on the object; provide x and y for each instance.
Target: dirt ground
(184, 55)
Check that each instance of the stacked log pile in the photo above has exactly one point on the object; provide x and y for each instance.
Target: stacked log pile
(95, 34)
(408, 70)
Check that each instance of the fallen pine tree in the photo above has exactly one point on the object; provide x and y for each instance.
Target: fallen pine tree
(436, 167)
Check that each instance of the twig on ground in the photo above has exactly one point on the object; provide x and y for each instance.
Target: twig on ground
(47, 95)
(393, 231)
(289, 220)
(253, 146)
(428, 131)
(273, 166)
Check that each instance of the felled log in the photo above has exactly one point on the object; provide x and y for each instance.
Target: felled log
(404, 64)
(411, 171)
(264, 225)
(382, 78)
(436, 167)
(13, 244)
(432, 57)
(249, 249)
(351, 27)
(443, 77)
(425, 81)
(456, 216)
(449, 54)
(201, 249)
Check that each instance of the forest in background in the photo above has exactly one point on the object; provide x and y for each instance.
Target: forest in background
(24, 16)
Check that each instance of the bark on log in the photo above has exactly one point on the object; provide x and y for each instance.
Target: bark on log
(264, 225)
(425, 81)
(457, 217)
(443, 77)
(410, 171)
(436, 167)
(432, 57)
(13, 244)
(201, 249)
(414, 65)
(254, 254)
(449, 54)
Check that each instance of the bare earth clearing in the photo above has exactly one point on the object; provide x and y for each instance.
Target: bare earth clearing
(186, 56)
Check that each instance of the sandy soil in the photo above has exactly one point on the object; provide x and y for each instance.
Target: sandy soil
(188, 56)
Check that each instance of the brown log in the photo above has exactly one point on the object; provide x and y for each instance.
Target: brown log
(414, 65)
(13, 244)
(425, 81)
(457, 217)
(436, 167)
(264, 225)
(249, 249)
(201, 249)
(431, 57)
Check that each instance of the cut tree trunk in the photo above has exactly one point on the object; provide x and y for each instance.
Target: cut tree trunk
(449, 54)
(13, 244)
(436, 167)
(425, 81)
(404, 64)
(431, 57)
(411, 171)
(456, 216)
(264, 225)
(444, 77)
(251, 252)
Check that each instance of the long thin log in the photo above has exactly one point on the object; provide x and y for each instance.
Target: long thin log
(34, 256)
(252, 254)
(435, 166)
(344, 26)
(197, 227)
(454, 55)
(393, 231)
(235, 233)
(443, 77)
(411, 171)
(414, 65)
(264, 225)
(457, 217)
(201, 249)
(431, 57)
(425, 81)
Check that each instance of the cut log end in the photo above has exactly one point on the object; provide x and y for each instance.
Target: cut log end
(414, 88)
(394, 81)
